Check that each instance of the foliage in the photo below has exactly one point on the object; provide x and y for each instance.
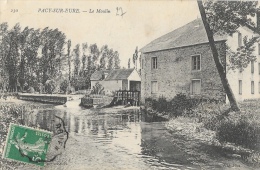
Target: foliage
(69, 57)
(64, 85)
(241, 128)
(135, 57)
(225, 17)
(129, 63)
(30, 90)
(244, 54)
(78, 82)
(39, 88)
(241, 131)
(50, 86)
(179, 105)
(97, 89)
(31, 56)
(76, 52)
(116, 60)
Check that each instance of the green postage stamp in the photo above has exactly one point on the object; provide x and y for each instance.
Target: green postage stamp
(27, 144)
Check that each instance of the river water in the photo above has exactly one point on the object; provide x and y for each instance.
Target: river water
(99, 139)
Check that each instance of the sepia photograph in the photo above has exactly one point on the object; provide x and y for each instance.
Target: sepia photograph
(129, 85)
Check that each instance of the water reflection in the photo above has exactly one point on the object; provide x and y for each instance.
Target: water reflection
(127, 133)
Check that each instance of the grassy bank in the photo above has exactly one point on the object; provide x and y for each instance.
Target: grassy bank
(11, 112)
(234, 132)
(211, 122)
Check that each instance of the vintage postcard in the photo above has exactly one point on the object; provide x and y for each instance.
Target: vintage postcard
(172, 84)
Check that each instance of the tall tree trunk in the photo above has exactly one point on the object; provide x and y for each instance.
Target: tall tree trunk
(220, 68)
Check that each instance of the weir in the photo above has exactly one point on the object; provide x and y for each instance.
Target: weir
(44, 98)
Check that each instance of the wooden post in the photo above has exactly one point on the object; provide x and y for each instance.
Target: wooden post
(138, 97)
(127, 97)
(122, 98)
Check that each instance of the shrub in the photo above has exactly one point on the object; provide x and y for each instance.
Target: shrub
(162, 105)
(150, 103)
(182, 104)
(241, 131)
(30, 90)
(71, 90)
(39, 88)
(97, 89)
(50, 86)
(64, 85)
(177, 106)
(210, 114)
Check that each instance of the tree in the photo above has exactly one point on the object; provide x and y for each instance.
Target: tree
(84, 58)
(111, 59)
(52, 42)
(129, 63)
(104, 56)
(69, 59)
(225, 17)
(116, 60)
(76, 52)
(50, 86)
(13, 56)
(4, 78)
(28, 68)
(135, 57)
(94, 52)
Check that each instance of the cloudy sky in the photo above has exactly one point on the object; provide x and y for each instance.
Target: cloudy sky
(143, 21)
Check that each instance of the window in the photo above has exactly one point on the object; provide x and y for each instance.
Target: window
(259, 68)
(154, 62)
(195, 86)
(240, 86)
(195, 62)
(252, 87)
(154, 86)
(258, 49)
(252, 67)
(259, 87)
(142, 63)
(239, 39)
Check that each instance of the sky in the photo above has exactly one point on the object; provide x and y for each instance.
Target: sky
(143, 21)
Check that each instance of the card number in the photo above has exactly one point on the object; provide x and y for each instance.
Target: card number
(14, 10)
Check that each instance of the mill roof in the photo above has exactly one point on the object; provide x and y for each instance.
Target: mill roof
(190, 34)
(116, 74)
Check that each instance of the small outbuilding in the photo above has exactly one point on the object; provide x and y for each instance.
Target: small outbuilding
(118, 79)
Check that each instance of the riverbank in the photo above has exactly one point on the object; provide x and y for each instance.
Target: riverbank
(116, 109)
(236, 134)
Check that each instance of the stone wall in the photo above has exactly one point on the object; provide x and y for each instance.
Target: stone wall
(174, 73)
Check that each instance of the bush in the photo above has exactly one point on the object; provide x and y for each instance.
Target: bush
(64, 85)
(177, 106)
(30, 90)
(150, 103)
(210, 114)
(98, 89)
(162, 105)
(182, 104)
(241, 131)
(50, 86)
(71, 90)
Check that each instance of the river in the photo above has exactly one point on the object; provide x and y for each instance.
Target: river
(125, 140)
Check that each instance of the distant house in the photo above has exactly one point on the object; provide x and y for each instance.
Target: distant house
(118, 79)
(181, 62)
